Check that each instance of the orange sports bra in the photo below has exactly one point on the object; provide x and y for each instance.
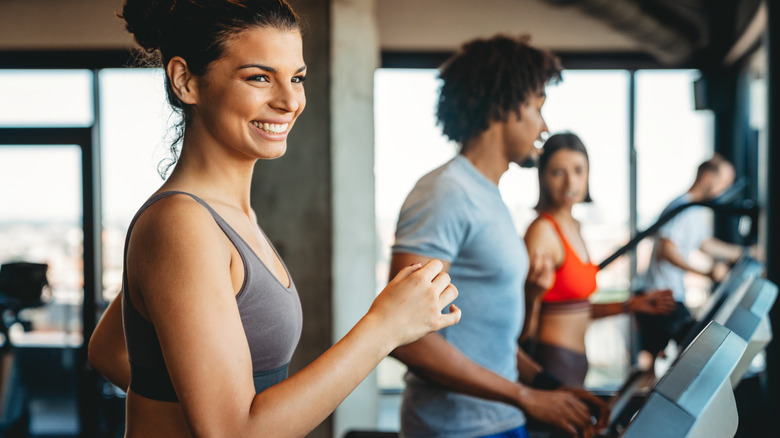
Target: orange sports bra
(574, 280)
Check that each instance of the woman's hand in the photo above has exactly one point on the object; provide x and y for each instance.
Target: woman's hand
(411, 305)
(656, 302)
(541, 274)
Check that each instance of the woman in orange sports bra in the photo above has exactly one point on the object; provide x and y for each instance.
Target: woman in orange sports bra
(558, 318)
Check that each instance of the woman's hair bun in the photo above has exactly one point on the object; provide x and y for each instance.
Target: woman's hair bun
(147, 20)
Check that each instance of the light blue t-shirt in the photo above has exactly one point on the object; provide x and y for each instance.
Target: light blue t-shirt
(456, 214)
(688, 229)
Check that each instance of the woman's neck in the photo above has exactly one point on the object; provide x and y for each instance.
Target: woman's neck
(561, 214)
(213, 176)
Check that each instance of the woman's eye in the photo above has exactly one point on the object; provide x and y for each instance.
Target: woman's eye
(259, 78)
(298, 79)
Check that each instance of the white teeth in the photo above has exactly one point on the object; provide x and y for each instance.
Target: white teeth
(272, 127)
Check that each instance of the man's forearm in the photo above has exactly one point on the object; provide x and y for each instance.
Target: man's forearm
(435, 359)
(721, 250)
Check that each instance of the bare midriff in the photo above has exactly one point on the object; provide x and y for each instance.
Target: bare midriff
(565, 325)
(153, 418)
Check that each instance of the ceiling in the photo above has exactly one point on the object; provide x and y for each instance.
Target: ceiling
(672, 31)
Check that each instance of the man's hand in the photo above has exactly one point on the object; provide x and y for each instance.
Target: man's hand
(598, 408)
(656, 302)
(719, 271)
(560, 408)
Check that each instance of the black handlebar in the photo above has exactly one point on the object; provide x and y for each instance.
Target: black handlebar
(725, 203)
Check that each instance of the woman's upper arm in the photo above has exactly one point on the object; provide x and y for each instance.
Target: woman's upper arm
(107, 352)
(541, 236)
(179, 260)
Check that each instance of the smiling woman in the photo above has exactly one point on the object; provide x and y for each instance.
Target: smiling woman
(211, 314)
(558, 317)
(257, 89)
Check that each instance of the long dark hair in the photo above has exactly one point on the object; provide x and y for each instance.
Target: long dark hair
(557, 142)
(197, 31)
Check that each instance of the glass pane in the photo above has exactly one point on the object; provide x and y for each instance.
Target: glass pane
(673, 136)
(46, 98)
(41, 222)
(670, 135)
(594, 105)
(133, 125)
(395, 174)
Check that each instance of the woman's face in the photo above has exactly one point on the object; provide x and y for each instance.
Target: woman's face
(250, 98)
(566, 178)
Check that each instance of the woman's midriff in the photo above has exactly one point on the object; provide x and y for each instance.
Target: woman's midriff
(564, 329)
(153, 418)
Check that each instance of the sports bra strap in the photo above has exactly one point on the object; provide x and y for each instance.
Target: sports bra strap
(564, 241)
(551, 219)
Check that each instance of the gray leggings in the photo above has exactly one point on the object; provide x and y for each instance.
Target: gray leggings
(567, 366)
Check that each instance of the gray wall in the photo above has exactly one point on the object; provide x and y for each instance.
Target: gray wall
(354, 58)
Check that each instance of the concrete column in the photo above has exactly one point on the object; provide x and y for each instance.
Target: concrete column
(354, 58)
(316, 203)
(292, 196)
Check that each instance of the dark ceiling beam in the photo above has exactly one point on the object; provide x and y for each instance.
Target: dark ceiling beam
(670, 44)
(569, 60)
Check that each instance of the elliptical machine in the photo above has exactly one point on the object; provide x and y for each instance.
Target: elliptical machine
(22, 286)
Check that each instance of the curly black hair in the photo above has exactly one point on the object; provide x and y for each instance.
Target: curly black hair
(489, 79)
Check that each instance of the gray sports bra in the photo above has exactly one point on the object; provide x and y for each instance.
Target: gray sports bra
(270, 313)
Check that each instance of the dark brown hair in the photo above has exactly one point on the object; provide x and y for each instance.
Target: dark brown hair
(564, 141)
(198, 31)
(489, 79)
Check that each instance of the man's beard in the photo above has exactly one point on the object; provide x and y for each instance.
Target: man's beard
(529, 162)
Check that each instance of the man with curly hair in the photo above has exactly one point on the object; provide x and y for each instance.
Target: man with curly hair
(470, 380)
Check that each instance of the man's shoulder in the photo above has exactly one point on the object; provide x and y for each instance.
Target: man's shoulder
(444, 182)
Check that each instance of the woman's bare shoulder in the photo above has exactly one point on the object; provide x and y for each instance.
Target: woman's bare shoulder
(173, 214)
(177, 228)
(541, 234)
(540, 227)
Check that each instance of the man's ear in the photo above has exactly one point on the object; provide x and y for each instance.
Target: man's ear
(183, 82)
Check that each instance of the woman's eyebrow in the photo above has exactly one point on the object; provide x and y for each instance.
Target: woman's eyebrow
(267, 68)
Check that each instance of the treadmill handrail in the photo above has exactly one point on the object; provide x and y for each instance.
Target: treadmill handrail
(724, 203)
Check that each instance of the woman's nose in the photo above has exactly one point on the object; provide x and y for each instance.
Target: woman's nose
(286, 99)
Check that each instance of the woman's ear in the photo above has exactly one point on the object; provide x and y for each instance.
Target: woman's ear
(183, 82)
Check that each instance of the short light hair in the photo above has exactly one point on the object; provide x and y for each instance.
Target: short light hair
(715, 164)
